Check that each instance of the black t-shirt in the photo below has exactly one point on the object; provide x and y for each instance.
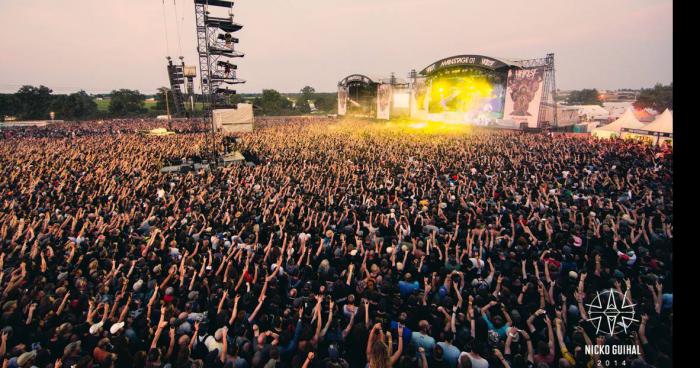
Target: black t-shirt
(434, 363)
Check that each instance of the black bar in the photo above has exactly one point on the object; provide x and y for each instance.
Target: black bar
(222, 3)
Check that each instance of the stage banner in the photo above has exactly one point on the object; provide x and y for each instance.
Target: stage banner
(342, 100)
(523, 96)
(384, 101)
(401, 98)
(418, 100)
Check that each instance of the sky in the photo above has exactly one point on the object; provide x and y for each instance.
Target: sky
(101, 45)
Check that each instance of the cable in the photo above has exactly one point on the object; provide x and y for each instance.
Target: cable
(165, 29)
(177, 28)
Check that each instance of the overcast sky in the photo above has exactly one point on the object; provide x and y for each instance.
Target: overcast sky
(100, 45)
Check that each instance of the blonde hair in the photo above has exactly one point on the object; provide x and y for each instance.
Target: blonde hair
(379, 355)
(324, 266)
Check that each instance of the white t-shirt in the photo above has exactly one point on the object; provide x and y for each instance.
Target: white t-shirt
(477, 362)
(211, 344)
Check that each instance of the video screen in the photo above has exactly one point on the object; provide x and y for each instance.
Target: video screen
(475, 96)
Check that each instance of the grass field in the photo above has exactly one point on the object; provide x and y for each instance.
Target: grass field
(103, 105)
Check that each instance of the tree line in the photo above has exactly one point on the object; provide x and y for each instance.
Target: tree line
(659, 97)
(36, 103)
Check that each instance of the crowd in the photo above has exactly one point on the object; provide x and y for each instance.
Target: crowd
(102, 127)
(349, 244)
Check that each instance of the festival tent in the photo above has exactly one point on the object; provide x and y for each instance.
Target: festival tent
(616, 109)
(662, 124)
(627, 120)
(660, 131)
(591, 112)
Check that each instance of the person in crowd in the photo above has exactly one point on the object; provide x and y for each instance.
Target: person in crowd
(346, 244)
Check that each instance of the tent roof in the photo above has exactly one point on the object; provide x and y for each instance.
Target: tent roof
(592, 109)
(662, 124)
(627, 120)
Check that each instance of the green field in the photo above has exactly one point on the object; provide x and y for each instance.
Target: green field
(103, 105)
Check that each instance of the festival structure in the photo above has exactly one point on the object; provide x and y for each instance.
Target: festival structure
(627, 121)
(216, 50)
(466, 89)
(660, 131)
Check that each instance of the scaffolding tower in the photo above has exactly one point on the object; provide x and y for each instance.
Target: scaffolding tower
(175, 75)
(216, 50)
(549, 88)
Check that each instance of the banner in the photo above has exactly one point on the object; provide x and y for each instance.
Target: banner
(464, 60)
(342, 100)
(418, 100)
(384, 101)
(236, 120)
(401, 98)
(523, 96)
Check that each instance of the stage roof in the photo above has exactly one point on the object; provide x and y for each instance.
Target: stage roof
(357, 78)
(479, 61)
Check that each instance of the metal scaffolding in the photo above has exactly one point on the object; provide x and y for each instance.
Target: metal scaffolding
(216, 49)
(549, 88)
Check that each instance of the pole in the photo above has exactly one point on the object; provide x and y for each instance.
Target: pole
(167, 105)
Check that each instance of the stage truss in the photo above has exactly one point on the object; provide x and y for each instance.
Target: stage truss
(549, 90)
(216, 49)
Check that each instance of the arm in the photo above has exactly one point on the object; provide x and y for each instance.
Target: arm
(308, 360)
(257, 309)
(497, 353)
(399, 349)
(194, 335)
(224, 348)
(370, 340)
(530, 350)
(330, 318)
(453, 320)
(550, 334)
(159, 330)
(234, 312)
(171, 344)
(562, 346)
(347, 329)
(643, 329)
(222, 301)
(63, 304)
(423, 359)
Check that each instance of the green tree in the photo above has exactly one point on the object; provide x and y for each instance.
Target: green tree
(8, 105)
(126, 102)
(33, 102)
(584, 97)
(326, 102)
(273, 103)
(302, 103)
(236, 99)
(160, 99)
(308, 91)
(658, 98)
(77, 105)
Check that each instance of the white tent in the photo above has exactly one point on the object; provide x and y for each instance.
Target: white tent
(627, 120)
(616, 109)
(662, 124)
(593, 112)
